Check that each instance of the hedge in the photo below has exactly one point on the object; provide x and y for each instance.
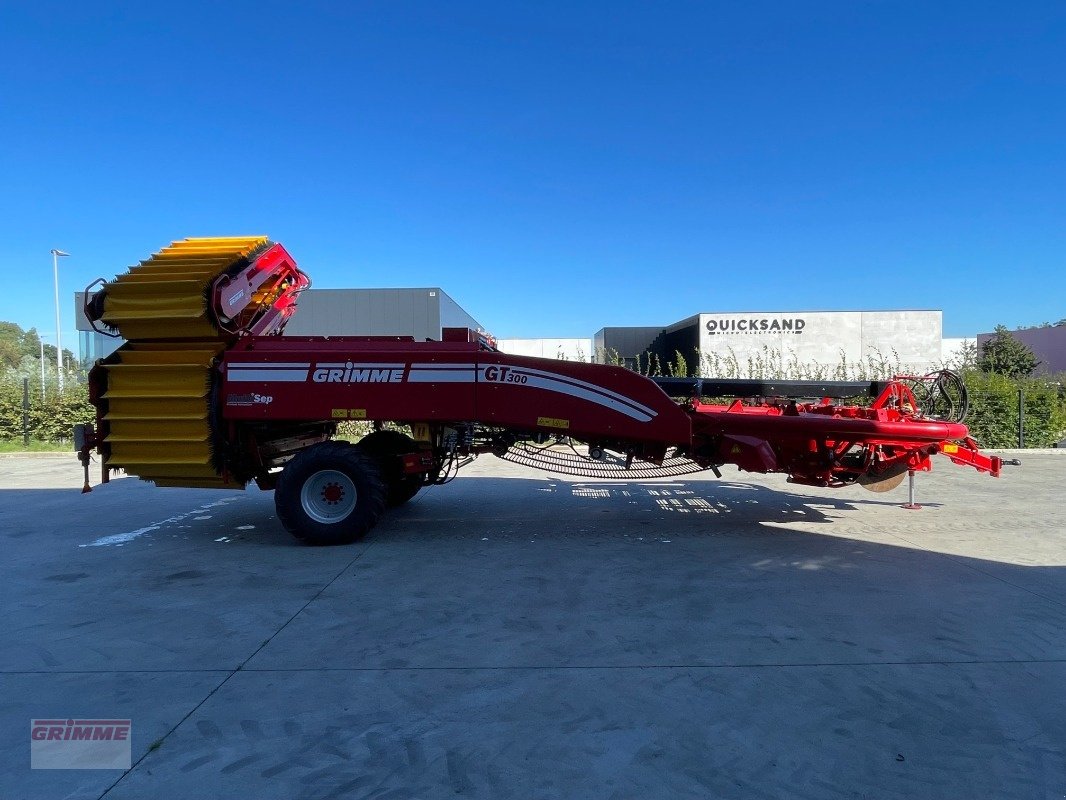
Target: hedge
(993, 417)
(51, 420)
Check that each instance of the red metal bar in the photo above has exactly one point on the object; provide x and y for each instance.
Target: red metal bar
(965, 455)
(833, 422)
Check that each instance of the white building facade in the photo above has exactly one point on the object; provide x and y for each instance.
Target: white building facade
(909, 338)
(566, 349)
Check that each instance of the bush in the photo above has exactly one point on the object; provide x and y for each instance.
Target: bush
(993, 417)
(52, 420)
(772, 364)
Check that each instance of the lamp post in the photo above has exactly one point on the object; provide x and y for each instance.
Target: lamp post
(59, 336)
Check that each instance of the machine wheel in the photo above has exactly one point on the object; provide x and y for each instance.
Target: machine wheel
(330, 493)
(385, 447)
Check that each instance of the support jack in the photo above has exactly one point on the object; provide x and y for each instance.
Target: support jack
(910, 505)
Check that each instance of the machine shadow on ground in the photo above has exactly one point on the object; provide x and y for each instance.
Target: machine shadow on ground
(713, 507)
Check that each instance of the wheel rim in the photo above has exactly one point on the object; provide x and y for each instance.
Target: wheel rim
(328, 496)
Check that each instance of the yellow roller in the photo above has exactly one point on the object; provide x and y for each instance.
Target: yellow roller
(167, 296)
(159, 382)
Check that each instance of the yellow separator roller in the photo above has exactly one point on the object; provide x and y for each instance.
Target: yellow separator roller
(168, 296)
(156, 407)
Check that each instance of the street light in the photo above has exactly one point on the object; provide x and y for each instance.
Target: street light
(59, 336)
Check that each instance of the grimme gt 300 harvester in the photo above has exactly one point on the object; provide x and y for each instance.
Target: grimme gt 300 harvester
(206, 393)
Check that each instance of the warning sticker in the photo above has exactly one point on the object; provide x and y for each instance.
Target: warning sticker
(552, 422)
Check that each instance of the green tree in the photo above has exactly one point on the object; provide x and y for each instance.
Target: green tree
(16, 344)
(10, 344)
(50, 356)
(31, 343)
(967, 357)
(1003, 354)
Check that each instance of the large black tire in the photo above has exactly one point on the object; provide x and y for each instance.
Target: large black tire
(385, 447)
(330, 493)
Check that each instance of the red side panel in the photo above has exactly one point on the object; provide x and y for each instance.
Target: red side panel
(315, 378)
(592, 400)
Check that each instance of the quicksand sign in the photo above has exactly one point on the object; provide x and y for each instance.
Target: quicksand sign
(756, 325)
(825, 338)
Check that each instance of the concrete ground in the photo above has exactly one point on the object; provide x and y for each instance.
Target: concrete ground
(519, 635)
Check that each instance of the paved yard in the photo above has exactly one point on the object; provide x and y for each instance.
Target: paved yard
(519, 635)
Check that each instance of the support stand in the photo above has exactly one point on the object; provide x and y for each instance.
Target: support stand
(910, 505)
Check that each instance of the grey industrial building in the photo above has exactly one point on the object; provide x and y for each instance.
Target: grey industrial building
(420, 313)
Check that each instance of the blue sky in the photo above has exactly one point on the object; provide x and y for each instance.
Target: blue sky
(556, 167)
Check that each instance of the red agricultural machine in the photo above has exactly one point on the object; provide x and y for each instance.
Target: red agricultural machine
(206, 393)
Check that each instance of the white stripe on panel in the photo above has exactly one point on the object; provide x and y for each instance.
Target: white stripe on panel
(441, 376)
(442, 366)
(553, 385)
(345, 364)
(268, 365)
(590, 386)
(561, 384)
(269, 375)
